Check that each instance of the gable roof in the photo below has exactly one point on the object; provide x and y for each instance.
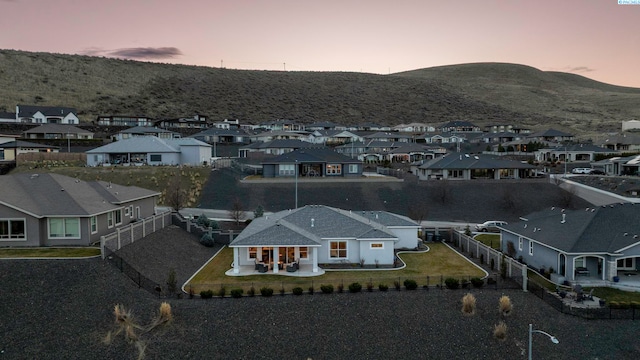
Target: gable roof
(309, 225)
(470, 161)
(550, 133)
(57, 129)
(313, 155)
(145, 130)
(26, 144)
(47, 195)
(605, 229)
(30, 110)
(138, 144)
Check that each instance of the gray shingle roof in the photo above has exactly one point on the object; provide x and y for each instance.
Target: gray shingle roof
(307, 226)
(29, 110)
(45, 195)
(57, 129)
(592, 230)
(312, 155)
(471, 161)
(145, 130)
(26, 144)
(138, 144)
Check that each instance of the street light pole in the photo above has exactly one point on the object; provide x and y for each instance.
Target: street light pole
(296, 172)
(531, 331)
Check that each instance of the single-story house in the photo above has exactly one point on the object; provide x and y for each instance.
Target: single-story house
(597, 243)
(626, 142)
(146, 131)
(267, 136)
(9, 151)
(56, 210)
(333, 137)
(8, 117)
(197, 121)
(151, 150)
(573, 152)
(322, 162)
(282, 125)
(46, 114)
(57, 131)
(552, 135)
(316, 234)
(626, 165)
(275, 147)
(460, 126)
(459, 166)
(222, 136)
(124, 120)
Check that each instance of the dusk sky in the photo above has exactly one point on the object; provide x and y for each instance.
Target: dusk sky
(595, 38)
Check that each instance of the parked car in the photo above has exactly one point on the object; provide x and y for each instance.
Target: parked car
(596, 172)
(581, 170)
(490, 226)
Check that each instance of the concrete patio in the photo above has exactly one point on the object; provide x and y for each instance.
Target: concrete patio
(305, 270)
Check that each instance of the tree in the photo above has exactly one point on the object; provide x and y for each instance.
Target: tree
(258, 212)
(236, 213)
(176, 194)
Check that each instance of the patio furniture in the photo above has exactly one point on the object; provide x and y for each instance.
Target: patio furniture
(588, 296)
(262, 268)
(582, 271)
(293, 267)
(578, 291)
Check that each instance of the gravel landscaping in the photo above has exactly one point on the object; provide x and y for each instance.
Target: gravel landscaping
(62, 309)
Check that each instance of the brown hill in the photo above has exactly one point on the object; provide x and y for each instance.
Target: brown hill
(482, 93)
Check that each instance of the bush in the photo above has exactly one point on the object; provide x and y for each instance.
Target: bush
(222, 291)
(355, 287)
(266, 291)
(297, 291)
(214, 224)
(469, 304)
(410, 284)
(500, 331)
(326, 289)
(251, 291)
(236, 293)
(203, 220)
(207, 240)
(477, 282)
(383, 287)
(206, 294)
(451, 283)
(505, 307)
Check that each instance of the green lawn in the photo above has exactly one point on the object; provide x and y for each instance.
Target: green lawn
(49, 252)
(492, 240)
(439, 262)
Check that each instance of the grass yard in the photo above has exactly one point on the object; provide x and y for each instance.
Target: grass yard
(439, 262)
(492, 240)
(49, 252)
(611, 294)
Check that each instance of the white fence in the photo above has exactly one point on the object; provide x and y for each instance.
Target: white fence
(135, 231)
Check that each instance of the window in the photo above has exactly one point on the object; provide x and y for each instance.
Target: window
(155, 157)
(334, 169)
(286, 170)
(338, 250)
(110, 219)
(12, 229)
(520, 244)
(579, 262)
(118, 217)
(376, 245)
(353, 168)
(530, 247)
(304, 252)
(628, 263)
(64, 228)
(127, 211)
(130, 210)
(1, 154)
(253, 253)
(94, 224)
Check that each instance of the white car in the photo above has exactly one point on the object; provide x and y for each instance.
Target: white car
(581, 171)
(490, 226)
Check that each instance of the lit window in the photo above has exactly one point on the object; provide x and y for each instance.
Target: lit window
(304, 253)
(334, 169)
(377, 246)
(253, 252)
(338, 250)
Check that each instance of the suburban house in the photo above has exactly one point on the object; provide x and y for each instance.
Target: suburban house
(390, 136)
(630, 125)
(222, 136)
(151, 150)
(145, 131)
(377, 151)
(333, 137)
(56, 210)
(57, 131)
(326, 125)
(9, 151)
(46, 115)
(312, 162)
(627, 142)
(8, 117)
(124, 120)
(303, 239)
(597, 243)
(573, 152)
(414, 128)
(372, 127)
(275, 147)
(551, 135)
(278, 135)
(459, 166)
(460, 126)
(282, 125)
(441, 138)
(197, 122)
(619, 165)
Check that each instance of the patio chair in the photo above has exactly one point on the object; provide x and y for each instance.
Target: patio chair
(588, 296)
(293, 267)
(262, 268)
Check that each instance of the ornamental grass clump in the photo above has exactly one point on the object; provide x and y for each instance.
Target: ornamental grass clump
(500, 331)
(164, 316)
(505, 307)
(126, 326)
(469, 304)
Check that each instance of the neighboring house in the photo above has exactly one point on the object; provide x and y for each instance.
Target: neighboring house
(46, 115)
(145, 131)
(275, 147)
(458, 166)
(595, 243)
(278, 135)
(459, 126)
(376, 151)
(327, 125)
(573, 152)
(8, 117)
(414, 128)
(499, 128)
(57, 131)
(390, 136)
(5, 138)
(442, 138)
(9, 151)
(282, 125)
(222, 136)
(316, 234)
(195, 122)
(322, 162)
(333, 137)
(226, 124)
(56, 210)
(628, 165)
(124, 120)
(372, 127)
(626, 142)
(150, 150)
(551, 135)
(500, 137)
(630, 125)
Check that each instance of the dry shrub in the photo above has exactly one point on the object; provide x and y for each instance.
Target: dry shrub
(469, 304)
(505, 306)
(500, 331)
(125, 325)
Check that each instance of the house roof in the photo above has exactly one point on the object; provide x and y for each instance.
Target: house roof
(7, 115)
(550, 133)
(581, 147)
(222, 132)
(623, 139)
(57, 129)
(312, 155)
(308, 225)
(470, 161)
(29, 110)
(145, 130)
(605, 229)
(458, 123)
(138, 144)
(47, 195)
(26, 144)
(282, 144)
